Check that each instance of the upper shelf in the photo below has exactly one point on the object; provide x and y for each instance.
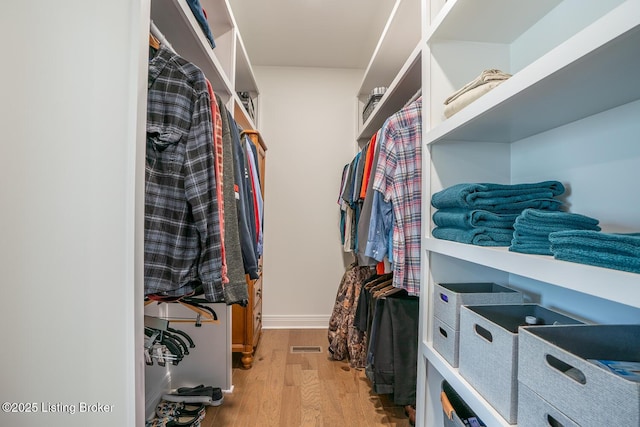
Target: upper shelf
(245, 79)
(176, 21)
(219, 16)
(227, 66)
(399, 37)
(614, 285)
(241, 115)
(599, 63)
(402, 88)
(469, 20)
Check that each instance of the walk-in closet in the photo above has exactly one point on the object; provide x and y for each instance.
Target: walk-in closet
(294, 213)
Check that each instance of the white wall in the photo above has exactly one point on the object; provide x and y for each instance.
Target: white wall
(308, 120)
(71, 168)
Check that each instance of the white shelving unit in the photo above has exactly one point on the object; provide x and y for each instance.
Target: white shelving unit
(402, 88)
(229, 70)
(568, 113)
(227, 67)
(395, 64)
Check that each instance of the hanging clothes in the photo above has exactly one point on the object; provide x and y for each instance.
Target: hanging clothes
(244, 198)
(351, 205)
(398, 177)
(341, 327)
(236, 290)
(182, 227)
(366, 195)
(393, 347)
(252, 157)
(217, 160)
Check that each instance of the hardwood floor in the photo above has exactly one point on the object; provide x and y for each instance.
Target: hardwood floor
(283, 389)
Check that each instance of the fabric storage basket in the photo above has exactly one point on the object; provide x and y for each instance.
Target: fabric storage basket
(488, 357)
(446, 341)
(534, 411)
(456, 410)
(449, 297)
(556, 365)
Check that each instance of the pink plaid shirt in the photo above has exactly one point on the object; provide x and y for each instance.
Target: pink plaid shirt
(398, 177)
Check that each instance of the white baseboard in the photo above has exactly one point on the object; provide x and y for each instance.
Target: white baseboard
(296, 322)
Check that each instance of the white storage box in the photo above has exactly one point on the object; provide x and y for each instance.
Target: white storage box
(555, 365)
(446, 341)
(488, 357)
(449, 297)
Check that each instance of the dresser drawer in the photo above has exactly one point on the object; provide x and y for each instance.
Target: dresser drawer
(257, 325)
(257, 291)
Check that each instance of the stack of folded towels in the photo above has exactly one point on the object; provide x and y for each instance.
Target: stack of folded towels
(484, 213)
(609, 250)
(532, 228)
(486, 81)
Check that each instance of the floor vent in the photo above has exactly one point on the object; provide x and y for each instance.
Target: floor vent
(306, 349)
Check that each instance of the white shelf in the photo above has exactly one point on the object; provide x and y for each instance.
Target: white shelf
(245, 80)
(613, 285)
(599, 63)
(219, 16)
(404, 86)
(574, 90)
(398, 39)
(240, 114)
(480, 406)
(470, 19)
(176, 21)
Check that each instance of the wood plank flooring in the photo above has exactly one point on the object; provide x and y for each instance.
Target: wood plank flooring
(302, 389)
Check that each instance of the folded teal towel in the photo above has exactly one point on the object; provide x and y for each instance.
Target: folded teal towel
(609, 250)
(531, 248)
(538, 245)
(530, 245)
(465, 218)
(480, 236)
(532, 228)
(519, 238)
(541, 223)
(496, 197)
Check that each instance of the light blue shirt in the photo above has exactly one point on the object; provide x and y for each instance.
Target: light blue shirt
(380, 238)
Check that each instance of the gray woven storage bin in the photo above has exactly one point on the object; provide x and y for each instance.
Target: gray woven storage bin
(446, 341)
(449, 297)
(534, 411)
(488, 357)
(554, 364)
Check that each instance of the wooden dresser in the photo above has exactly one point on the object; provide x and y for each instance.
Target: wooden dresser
(247, 321)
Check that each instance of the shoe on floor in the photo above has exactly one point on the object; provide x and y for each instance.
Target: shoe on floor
(175, 409)
(410, 411)
(181, 421)
(207, 395)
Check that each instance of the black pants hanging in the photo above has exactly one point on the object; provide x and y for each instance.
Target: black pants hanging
(393, 350)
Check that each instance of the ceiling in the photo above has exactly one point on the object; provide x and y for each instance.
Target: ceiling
(311, 33)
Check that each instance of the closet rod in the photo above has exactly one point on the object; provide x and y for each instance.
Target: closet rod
(158, 34)
(414, 97)
(156, 323)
